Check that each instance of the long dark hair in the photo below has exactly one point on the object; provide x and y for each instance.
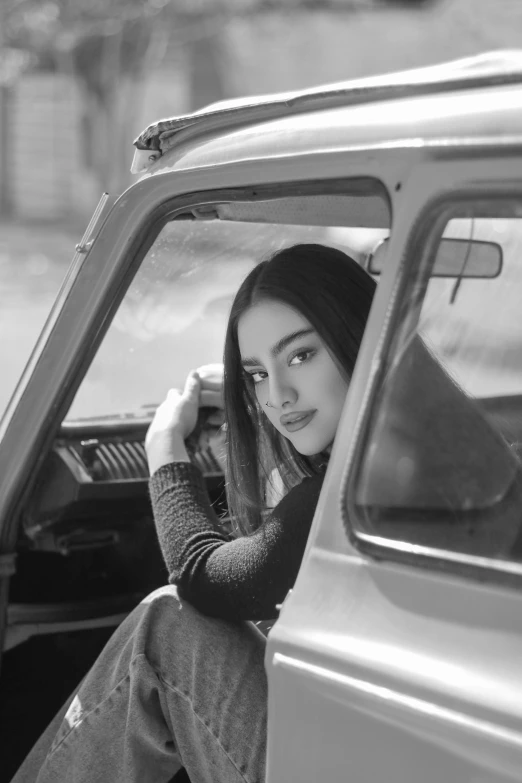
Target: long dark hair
(334, 294)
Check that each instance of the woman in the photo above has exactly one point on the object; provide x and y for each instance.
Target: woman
(181, 683)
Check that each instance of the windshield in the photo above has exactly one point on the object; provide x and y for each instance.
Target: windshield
(174, 315)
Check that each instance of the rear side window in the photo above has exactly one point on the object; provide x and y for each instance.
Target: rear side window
(439, 473)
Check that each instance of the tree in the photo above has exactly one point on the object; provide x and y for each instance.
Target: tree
(51, 27)
(99, 42)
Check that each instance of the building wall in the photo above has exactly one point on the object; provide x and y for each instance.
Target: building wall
(62, 155)
(45, 155)
(278, 53)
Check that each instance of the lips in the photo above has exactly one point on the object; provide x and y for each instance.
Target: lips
(296, 421)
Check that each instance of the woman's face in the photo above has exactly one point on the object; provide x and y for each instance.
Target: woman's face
(293, 371)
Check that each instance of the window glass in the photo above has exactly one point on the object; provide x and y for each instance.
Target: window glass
(174, 315)
(473, 324)
(440, 467)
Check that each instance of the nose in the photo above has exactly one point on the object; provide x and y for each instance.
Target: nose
(281, 391)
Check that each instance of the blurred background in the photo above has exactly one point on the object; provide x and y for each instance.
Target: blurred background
(79, 79)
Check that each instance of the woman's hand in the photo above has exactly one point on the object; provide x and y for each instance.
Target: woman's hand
(211, 394)
(177, 416)
(173, 422)
(211, 390)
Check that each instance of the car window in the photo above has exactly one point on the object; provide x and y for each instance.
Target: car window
(440, 466)
(473, 324)
(173, 317)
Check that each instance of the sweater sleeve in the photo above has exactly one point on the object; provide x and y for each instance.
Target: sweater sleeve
(237, 579)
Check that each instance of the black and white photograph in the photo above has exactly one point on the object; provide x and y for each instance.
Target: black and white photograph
(260, 391)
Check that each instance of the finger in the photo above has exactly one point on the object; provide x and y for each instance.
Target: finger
(211, 384)
(212, 373)
(192, 386)
(211, 376)
(210, 399)
(173, 395)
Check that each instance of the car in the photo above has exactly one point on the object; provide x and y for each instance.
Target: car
(396, 656)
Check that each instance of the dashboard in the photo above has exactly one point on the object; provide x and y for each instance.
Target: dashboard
(91, 468)
(88, 531)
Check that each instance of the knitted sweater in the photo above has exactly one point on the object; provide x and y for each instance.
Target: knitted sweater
(235, 579)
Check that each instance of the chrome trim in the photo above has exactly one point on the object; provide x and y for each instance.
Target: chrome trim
(414, 550)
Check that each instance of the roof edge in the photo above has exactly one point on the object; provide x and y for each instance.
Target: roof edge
(485, 70)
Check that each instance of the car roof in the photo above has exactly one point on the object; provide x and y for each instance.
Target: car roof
(473, 100)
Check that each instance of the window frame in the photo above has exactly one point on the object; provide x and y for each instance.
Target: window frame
(413, 276)
(120, 239)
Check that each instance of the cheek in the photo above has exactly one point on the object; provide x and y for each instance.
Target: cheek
(261, 396)
(337, 389)
(333, 386)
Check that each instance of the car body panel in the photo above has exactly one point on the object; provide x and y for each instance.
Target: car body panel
(402, 674)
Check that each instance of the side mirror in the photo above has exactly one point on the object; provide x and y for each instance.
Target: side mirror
(455, 258)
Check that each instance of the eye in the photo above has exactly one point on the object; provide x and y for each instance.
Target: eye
(301, 357)
(256, 377)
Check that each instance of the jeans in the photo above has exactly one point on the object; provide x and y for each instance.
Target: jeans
(172, 688)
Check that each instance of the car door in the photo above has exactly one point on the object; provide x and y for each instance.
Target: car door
(115, 244)
(396, 658)
(145, 300)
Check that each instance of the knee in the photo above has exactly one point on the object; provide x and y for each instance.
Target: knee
(164, 618)
(168, 594)
(164, 605)
(164, 615)
(164, 623)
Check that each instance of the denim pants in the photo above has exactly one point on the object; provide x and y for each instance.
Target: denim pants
(172, 688)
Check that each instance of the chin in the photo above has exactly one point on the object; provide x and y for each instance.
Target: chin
(312, 447)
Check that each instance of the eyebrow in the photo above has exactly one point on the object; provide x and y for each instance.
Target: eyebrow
(279, 347)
